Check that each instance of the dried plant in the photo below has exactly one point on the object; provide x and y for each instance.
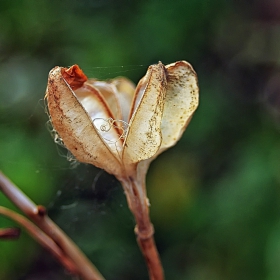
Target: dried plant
(121, 129)
(117, 127)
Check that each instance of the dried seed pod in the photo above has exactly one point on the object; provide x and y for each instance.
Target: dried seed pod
(113, 125)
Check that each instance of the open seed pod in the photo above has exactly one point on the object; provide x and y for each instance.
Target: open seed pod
(115, 125)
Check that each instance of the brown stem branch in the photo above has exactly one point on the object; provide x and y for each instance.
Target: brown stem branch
(9, 233)
(39, 216)
(149, 251)
(40, 237)
(144, 229)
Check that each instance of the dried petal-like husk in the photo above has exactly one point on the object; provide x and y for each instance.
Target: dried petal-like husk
(102, 117)
(180, 103)
(75, 127)
(144, 135)
(109, 92)
(125, 92)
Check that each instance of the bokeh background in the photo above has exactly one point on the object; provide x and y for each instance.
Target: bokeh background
(215, 197)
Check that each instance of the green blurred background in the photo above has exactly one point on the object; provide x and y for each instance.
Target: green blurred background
(214, 197)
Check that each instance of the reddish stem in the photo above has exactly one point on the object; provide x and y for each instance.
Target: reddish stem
(39, 216)
(144, 230)
(40, 237)
(9, 233)
(152, 259)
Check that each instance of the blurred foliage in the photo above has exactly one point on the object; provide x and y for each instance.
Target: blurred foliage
(214, 197)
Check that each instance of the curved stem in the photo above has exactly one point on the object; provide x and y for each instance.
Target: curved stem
(144, 230)
(39, 216)
(9, 233)
(40, 237)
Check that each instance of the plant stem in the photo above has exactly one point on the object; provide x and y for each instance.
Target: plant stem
(144, 230)
(9, 233)
(152, 259)
(40, 237)
(39, 216)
